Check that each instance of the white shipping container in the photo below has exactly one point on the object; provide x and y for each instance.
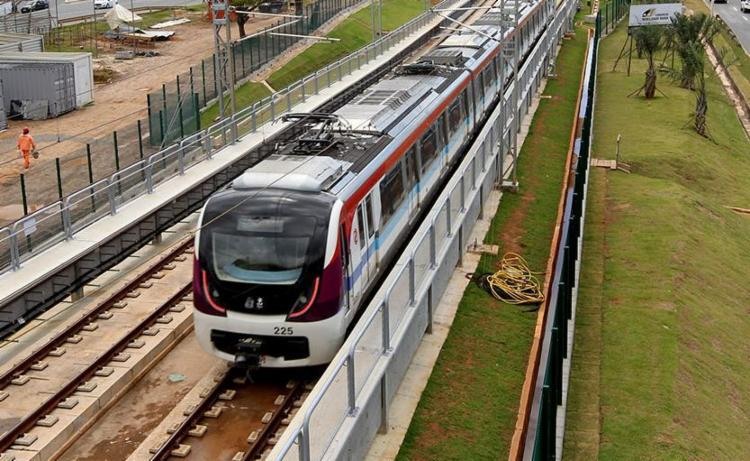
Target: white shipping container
(82, 65)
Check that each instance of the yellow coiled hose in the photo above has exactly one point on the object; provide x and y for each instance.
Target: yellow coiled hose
(514, 283)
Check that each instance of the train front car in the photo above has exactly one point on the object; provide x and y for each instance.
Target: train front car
(268, 276)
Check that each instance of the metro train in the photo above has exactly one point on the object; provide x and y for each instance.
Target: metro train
(288, 253)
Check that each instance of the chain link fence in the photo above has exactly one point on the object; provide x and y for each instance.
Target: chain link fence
(36, 22)
(171, 109)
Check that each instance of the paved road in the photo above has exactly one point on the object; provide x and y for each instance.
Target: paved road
(736, 19)
(83, 7)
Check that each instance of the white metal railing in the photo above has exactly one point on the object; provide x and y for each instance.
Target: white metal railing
(36, 232)
(338, 398)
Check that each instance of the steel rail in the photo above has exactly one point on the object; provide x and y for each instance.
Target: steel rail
(255, 450)
(39, 354)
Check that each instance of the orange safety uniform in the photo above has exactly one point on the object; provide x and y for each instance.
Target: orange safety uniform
(25, 145)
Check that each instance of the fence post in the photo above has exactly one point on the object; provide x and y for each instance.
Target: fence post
(161, 128)
(117, 151)
(150, 120)
(24, 201)
(59, 178)
(197, 112)
(179, 108)
(140, 139)
(91, 175)
(203, 79)
(164, 97)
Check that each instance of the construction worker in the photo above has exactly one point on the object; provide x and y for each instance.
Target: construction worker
(26, 145)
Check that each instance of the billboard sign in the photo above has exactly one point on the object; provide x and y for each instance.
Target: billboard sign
(657, 14)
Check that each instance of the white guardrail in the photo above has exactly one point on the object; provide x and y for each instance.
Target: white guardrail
(349, 404)
(61, 220)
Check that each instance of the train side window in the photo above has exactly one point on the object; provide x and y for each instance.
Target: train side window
(410, 165)
(454, 118)
(370, 221)
(361, 219)
(391, 192)
(464, 103)
(344, 249)
(443, 127)
(487, 78)
(428, 148)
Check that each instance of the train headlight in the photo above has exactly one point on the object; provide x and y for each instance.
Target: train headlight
(303, 303)
(202, 299)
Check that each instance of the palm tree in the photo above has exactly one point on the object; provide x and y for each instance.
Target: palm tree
(696, 55)
(648, 40)
(682, 34)
(689, 37)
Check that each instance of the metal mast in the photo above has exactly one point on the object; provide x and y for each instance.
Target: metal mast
(517, 112)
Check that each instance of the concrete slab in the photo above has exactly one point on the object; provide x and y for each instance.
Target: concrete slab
(23, 455)
(51, 439)
(58, 317)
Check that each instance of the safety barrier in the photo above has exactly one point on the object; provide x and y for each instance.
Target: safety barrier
(61, 220)
(543, 428)
(351, 400)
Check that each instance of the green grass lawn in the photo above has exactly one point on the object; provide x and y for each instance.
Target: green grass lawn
(468, 409)
(660, 362)
(354, 32)
(245, 95)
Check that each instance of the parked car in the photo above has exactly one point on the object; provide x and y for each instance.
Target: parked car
(33, 5)
(274, 7)
(745, 6)
(104, 4)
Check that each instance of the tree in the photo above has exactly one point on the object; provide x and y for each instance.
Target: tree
(696, 55)
(683, 33)
(648, 40)
(689, 37)
(246, 6)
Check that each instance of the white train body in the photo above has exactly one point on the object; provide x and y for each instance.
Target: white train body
(288, 254)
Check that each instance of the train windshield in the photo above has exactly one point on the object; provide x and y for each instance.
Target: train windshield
(263, 249)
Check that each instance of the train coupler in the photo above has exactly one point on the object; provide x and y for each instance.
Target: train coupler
(248, 353)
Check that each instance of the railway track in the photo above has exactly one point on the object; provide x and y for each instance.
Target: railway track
(107, 343)
(237, 419)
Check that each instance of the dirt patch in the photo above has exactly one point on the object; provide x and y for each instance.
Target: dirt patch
(104, 74)
(513, 229)
(121, 101)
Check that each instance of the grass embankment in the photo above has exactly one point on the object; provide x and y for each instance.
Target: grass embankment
(354, 32)
(468, 409)
(660, 366)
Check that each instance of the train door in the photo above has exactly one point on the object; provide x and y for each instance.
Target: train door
(370, 235)
(412, 185)
(358, 249)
